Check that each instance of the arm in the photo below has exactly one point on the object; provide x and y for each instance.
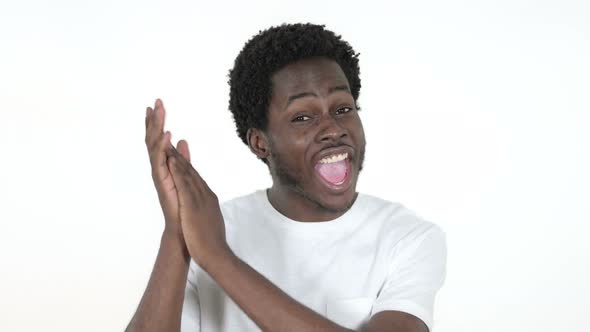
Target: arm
(266, 304)
(204, 233)
(273, 310)
(395, 321)
(160, 308)
(417, 272)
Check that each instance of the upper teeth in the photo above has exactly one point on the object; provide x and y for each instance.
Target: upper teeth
(334, 158)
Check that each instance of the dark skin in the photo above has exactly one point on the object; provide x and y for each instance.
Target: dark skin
(325, 118)
(323, 115)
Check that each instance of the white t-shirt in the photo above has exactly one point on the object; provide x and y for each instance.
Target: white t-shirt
(377, 256)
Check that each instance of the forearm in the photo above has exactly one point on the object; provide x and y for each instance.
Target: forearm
(160, 308)
(266, 304)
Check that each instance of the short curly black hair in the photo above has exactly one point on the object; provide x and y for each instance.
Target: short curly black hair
(269, 51)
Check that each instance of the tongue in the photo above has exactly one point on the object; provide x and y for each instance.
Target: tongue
(332, 172)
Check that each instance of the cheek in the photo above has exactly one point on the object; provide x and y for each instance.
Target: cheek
(356, 127)
(361, 136)
(291, 151)
(295, 140)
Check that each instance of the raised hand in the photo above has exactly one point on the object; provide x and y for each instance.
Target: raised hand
(158, 143)
(200, 215)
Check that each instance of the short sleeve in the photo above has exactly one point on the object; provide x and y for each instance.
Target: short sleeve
(191, 311)
(417, 272)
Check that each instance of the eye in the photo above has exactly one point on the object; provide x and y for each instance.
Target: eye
(343, 110)
(300, 118)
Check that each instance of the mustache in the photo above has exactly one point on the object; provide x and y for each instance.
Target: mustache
(328, 146)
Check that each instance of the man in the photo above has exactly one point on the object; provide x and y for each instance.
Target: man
(309, 253)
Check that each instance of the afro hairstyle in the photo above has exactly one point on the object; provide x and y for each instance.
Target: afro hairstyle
(269, 51)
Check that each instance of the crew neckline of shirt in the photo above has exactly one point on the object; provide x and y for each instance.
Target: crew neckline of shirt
(342, 223)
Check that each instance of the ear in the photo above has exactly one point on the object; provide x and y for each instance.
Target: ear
(258, 142)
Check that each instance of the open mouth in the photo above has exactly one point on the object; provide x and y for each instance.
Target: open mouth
(335, 171)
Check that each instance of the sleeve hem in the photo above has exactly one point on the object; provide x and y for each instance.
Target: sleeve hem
(408, 307)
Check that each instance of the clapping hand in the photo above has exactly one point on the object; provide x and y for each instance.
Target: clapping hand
(158, 143)
(200, 214)
(191, 208)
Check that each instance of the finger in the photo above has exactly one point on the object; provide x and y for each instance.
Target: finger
(148, 113)
(183, 166)
(160, 155)
(160, 115)
(182, 148)
(156, 124)
(180, 154)
(185, 185)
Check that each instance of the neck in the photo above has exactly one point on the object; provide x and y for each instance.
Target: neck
(298, 205)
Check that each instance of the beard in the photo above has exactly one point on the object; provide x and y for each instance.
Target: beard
(293, 181)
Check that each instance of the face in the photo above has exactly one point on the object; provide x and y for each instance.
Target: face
(313, 118)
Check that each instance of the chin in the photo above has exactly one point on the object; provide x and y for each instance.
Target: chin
(337, 204)
(334, 201)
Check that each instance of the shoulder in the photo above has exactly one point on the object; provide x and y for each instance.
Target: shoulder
(241, 206)
(397, 222)
(246, 200)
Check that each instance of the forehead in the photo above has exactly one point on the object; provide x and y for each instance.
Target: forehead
(312, 74)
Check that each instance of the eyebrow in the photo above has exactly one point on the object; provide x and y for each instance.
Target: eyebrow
(307, 94)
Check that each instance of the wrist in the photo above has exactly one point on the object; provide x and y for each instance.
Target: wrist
(173, 233)
(174, 239)
(218, 260)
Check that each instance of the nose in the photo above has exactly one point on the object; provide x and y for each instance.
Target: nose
(330, 130)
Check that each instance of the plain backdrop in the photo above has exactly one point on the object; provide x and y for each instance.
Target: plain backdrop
(476, 113)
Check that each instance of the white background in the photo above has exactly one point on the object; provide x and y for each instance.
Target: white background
(477, 116)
